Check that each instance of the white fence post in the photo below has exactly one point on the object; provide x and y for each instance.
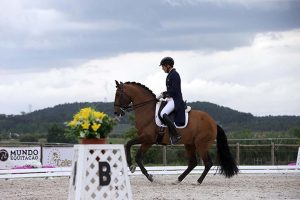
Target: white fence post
(99, 172)
(272, 153)
(298, 158)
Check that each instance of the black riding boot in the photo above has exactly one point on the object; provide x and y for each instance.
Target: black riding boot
(175, 137)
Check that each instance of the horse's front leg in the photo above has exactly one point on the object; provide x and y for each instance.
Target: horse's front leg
(128, 153)
(139, 160)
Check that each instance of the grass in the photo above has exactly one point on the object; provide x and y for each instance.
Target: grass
(116, 141)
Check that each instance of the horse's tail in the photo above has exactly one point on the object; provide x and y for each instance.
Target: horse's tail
(228, 165)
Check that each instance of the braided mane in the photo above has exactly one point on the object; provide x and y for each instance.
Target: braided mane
(141, 85)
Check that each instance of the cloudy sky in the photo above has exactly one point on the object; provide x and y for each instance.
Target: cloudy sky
(242, 54)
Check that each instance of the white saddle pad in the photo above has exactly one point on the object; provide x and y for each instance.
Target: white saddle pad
(160, 124)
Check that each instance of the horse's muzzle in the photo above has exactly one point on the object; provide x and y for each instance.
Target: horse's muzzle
(119, 113)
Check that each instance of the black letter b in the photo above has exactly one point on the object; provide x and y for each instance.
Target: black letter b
(104, 173)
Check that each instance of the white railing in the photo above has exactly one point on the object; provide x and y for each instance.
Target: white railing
(37, 172)
(243, 169)
(161, 170)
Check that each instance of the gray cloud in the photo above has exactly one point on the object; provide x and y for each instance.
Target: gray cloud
(55, 51)
(57, 33)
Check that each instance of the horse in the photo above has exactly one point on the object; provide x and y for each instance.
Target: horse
(198, 136)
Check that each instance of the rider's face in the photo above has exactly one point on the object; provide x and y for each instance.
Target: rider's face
(165, 68)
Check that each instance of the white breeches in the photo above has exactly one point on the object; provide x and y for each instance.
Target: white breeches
(168, 108)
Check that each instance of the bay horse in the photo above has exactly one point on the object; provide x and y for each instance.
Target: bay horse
(197, 137)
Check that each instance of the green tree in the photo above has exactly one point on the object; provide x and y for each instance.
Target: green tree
(4, 136)
(29, 138)
(294, 132)
(56, 134)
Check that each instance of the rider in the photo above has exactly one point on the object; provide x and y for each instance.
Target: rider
(175, 101)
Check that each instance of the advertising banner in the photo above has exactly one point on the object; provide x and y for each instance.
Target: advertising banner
(57, 156)
(11, 157)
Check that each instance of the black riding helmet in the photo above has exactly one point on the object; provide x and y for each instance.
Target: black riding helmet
(167, 61)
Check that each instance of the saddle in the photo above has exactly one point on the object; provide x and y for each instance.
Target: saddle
(159, 122)
(160, 105)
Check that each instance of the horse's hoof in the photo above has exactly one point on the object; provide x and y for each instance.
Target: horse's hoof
(150, 178)
(198, 183)
(176, 182)
(132, 168)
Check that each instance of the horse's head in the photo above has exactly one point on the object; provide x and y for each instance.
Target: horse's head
(122, 99)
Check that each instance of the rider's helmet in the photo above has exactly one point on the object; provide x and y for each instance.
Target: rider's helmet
(167, 61)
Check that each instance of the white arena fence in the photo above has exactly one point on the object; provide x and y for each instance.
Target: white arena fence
(60, 155)
(56, 155)
(159, 170)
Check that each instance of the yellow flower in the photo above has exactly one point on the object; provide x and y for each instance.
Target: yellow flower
(95, 127)
(73, 123)
(85, 112)
(99, 115)
(77, 117)
(85, 125)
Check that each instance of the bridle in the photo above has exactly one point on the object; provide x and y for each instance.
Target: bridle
(130, 107)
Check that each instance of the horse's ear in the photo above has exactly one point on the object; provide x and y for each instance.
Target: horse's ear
(117, 84)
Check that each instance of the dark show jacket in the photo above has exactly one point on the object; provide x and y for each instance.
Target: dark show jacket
(173, 83)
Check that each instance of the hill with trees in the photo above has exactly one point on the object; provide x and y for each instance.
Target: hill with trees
(41, 121)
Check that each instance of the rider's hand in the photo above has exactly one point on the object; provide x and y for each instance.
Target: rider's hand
(165, 95)
(160, 96)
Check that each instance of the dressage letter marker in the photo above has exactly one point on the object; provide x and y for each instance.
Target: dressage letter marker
(99, 172)
(104, 173)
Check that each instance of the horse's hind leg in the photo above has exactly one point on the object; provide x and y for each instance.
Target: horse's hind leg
(207, 164)
(192, 161)
(139, 160)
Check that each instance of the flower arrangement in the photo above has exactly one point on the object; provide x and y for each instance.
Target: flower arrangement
(89, 123)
